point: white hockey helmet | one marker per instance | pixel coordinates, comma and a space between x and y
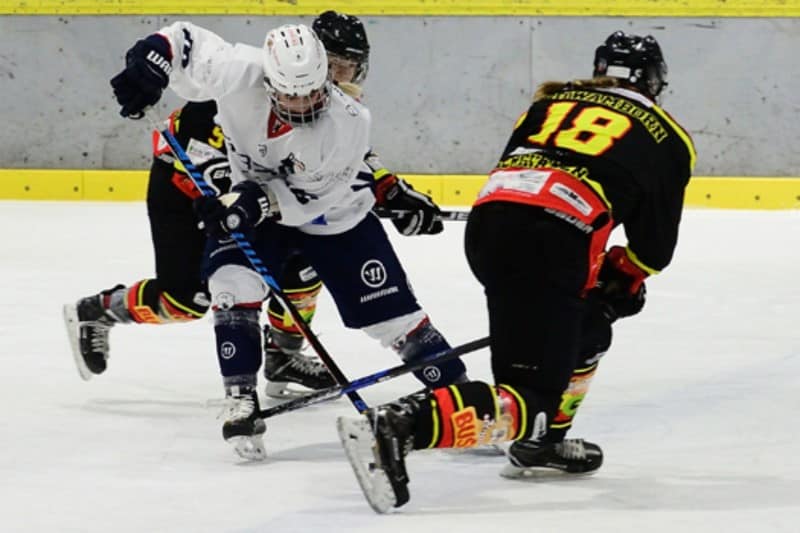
296, 73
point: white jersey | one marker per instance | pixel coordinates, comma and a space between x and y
316, 173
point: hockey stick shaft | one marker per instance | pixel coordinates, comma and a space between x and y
385, 212
259, 267
373, 379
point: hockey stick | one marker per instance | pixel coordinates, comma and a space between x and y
373, 379
259, 266
385, 212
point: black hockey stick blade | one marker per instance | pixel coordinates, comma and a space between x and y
459, 216
372, 379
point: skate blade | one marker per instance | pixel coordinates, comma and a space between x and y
250, 448
281, 390
72, 323
490, 450
359, 446
540, 473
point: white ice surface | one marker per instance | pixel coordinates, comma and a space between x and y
696, 405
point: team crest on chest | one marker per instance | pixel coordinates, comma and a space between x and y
276, 127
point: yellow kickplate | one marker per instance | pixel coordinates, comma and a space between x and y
24, 184
445, 189
626, 8
103, 185
744, 193
117, 185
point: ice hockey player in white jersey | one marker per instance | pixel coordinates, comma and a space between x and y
296, 145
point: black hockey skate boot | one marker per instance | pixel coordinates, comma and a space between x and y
285, 365
88, 322
376, 446
571, 456
243, 427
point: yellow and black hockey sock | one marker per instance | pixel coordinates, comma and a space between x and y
571, 400
304, 300
147, 303
471, 414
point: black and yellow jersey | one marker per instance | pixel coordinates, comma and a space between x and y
201, 138
630, 151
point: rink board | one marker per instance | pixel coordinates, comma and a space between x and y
446, 189
628, 8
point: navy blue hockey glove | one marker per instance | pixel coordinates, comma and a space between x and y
241, 210
422, 218
145, 76
620, 285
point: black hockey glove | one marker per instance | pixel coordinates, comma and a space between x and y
620, 286
217, 173
241, 210
392, 192
145, 76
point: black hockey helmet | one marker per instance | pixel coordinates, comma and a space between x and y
344, 36
632, 58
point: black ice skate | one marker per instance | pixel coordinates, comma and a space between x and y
376, 446
289, 373
88, 322
570, 456
243, 427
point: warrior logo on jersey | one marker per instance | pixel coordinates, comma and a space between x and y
373, 273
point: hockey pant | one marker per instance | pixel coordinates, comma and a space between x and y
360, 270
534, 268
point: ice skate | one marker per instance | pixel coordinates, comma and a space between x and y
570, 456
88, 322
288, 372
243, 428
376, 446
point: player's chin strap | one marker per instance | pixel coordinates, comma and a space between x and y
259, 266
372, 379
459, 216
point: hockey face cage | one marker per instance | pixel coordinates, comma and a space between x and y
344, 38
296, 74
634, 59
356, 70
299, 110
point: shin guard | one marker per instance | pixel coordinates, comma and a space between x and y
570, 402
147, 302
238, 337
305, 301
423, 341
595, 340
475, 414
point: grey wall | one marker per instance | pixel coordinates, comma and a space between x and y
444, 92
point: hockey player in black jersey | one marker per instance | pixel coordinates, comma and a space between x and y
587, 156
178, 292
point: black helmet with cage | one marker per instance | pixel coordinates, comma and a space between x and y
636, 60
344, 36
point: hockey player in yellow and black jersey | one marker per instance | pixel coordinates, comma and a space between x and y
587, 156
178, 292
